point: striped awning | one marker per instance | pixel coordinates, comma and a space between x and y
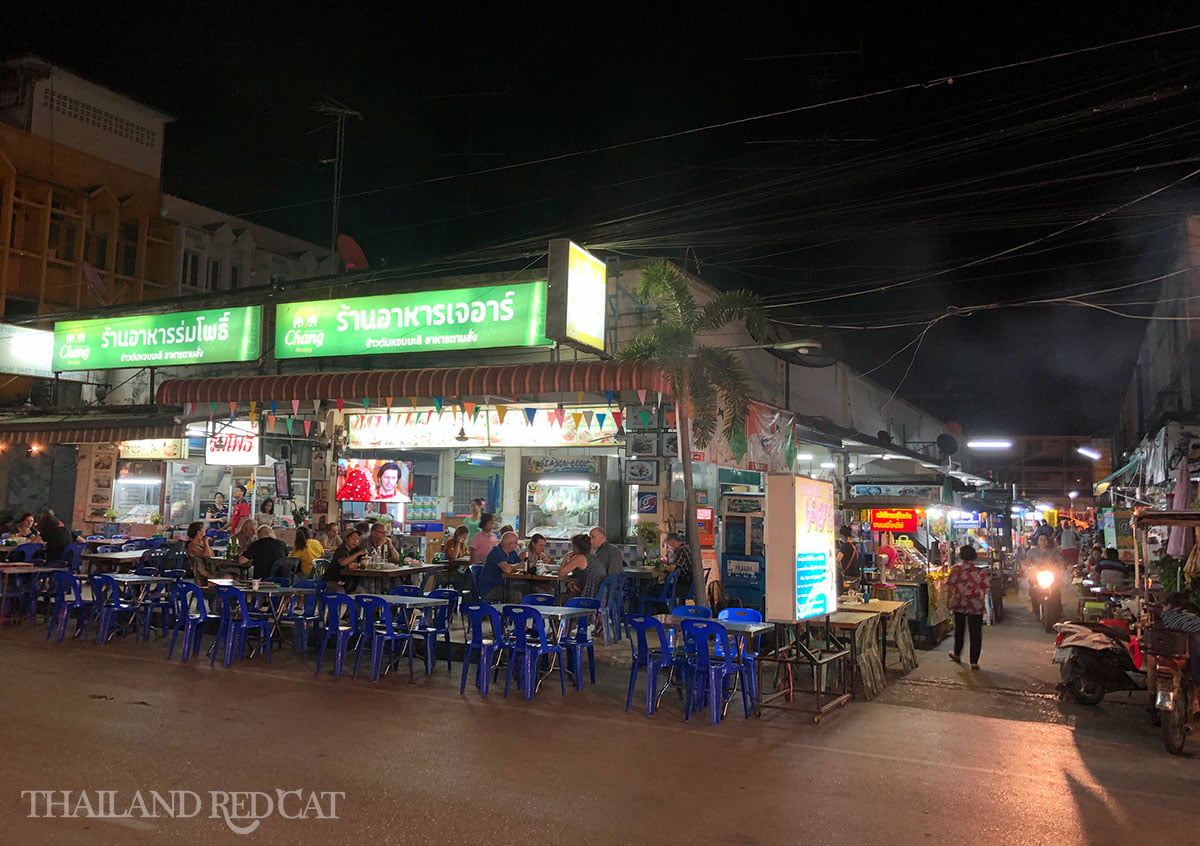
543, 379
107, 429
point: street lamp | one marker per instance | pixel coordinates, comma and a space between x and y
1088, 452
1073, 495
990, 444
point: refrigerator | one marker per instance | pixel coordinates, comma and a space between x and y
561, 497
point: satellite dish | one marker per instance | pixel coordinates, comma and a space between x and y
946, 444
883, 436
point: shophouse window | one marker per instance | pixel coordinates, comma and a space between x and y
127, 248
191, 269
61, 242
214, 275
235, 277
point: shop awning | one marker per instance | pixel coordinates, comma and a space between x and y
543, 379
1101, 487
87, 429
865, 503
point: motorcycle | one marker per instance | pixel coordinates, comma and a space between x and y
1171, 678
1097, 659
1045, 596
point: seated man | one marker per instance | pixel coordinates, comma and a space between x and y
502, 561
1109, 569
377, 539
1180, 614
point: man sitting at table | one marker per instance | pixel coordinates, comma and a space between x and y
607, 554
377, 539
501, 561
264, 552
679, 557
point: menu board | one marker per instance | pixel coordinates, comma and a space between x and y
801, 577
95, 469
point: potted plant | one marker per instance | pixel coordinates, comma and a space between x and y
300, 515
649, 535
111, 527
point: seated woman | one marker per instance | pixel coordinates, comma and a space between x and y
307, 549
200, 556
345, 558
535, 552
587, 570
458, 547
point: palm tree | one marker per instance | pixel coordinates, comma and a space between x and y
709, 384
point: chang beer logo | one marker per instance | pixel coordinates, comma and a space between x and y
75, 348
305, 330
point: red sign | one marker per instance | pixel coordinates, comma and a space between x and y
895, 519
697, 456
759, 466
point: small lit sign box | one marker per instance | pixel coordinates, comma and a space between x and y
236, 444
895, 519
577, 300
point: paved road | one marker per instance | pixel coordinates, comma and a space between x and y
944, 756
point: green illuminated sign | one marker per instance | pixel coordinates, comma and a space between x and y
159, 340
425, 321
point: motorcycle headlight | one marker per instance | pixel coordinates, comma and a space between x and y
1045, 578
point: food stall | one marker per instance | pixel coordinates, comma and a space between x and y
898, 532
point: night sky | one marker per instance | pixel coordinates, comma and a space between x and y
913, 189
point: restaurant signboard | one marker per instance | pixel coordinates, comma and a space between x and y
895, 519
424, 428
159, 340
800, 526
578, 296
235, 444
510, 315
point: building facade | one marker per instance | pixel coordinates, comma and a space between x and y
1049, 468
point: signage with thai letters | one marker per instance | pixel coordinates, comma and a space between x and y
511, 315
159, 340
895, 519
234, 444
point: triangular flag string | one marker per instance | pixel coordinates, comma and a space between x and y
366, 401
530, 413
307, 427
610, 396
288, 421
616, 416
233, 409
577, 416
437, 404
340, 404
295, 406
587, 418
316, 408
388, 402
253, 409
642, 395
212, 409
193, 408
413, 400
274, 410
644, 416
270, 422
579, 396
501, 411
469, 409
600, 418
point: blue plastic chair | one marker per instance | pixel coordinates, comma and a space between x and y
307, 615
73, 555
96, 537
156, 543
665, 597
377, 624
748, 652
405, 590
135, 545
526, 619
538, 599
341, 630
157, 557
110, 605
647, 657
476, 570
104, 550
157, 598
175, 574
435, 622
581, 639
714, 670
478, 644
26, 552
216, 534
693, 611
236, 624
68, 598
612, 605
191, 616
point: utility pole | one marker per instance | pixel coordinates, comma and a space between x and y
340, 112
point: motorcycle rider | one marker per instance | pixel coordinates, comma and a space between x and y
1041, 556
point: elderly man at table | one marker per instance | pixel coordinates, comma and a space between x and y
679, 557
607, 554
264, 552
502, 561
377, 543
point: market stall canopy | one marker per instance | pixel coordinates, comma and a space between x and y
542, 379
88, 429
898, 469
1167, 518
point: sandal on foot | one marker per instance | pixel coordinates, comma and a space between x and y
954, 657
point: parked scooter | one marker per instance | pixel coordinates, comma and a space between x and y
1045, 596
1096, 659
1167, 653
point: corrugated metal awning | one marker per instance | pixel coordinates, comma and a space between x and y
106, 429
542, 379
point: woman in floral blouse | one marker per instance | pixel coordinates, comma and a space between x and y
968, 586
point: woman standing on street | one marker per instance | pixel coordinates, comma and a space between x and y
968, 586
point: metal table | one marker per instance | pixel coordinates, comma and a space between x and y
413, 605
116, 560
557, 616
7, 570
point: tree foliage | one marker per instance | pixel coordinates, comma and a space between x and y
711, 379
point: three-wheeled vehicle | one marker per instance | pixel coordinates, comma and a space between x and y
1168, 674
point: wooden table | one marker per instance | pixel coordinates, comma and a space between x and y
7, 570
869, 664
888, 608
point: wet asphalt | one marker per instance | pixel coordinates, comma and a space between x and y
945, 755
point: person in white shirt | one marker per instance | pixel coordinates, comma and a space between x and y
1068, 542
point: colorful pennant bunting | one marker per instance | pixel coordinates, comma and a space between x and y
530, 413
501, 411
295, 406
307, 427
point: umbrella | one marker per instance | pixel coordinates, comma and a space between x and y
1181, 536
